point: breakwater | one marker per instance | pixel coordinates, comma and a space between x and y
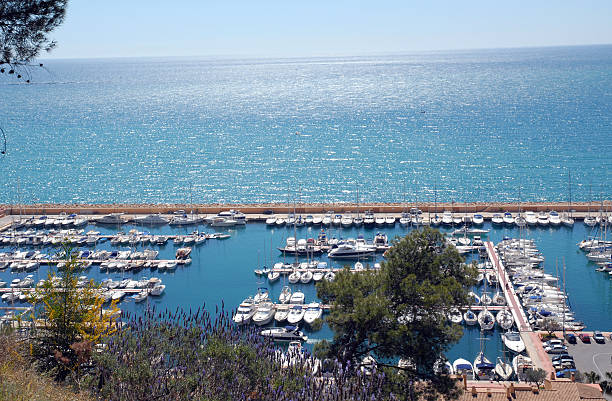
262, 208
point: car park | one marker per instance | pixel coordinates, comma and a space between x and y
554, 341
599, 337
570, 338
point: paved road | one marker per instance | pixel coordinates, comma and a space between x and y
592, 357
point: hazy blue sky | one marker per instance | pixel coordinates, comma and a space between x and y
97, 28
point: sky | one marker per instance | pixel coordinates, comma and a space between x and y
289, 28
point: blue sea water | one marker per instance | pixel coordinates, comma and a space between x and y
478, 125
221, 274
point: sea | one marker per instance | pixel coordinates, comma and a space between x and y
486, 125
483, 125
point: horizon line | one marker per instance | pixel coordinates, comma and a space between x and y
363, 54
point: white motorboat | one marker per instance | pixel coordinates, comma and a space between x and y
590, 221
186, 220
318, 276
351, 249
297, 297
113, 218
520, 221
497, 219
475, 298
158, 290
306, 277
329, 276
287, 333
346, 221
486, 320
337, 220
485, 299
151, 220
543, 219
117, 295
404, 220
262, 295
499, 299
313, 312
504, 319
281, 315
435, 221
477, 219
280, 222
223, 222
463, 367
554, 219
531, 218
316, 220
503, 369
512, 340
567, 220
245, 311
271, 221
390, 221
379, 221
483, 368
285, 295
470, 318
508, 219
456, 316
264, 314
141, 296
296, 314
447, 218
327, 219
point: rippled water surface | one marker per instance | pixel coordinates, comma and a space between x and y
479, 125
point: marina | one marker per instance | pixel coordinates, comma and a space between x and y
257, 245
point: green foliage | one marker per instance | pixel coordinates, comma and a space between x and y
68, 320
536, 376
592, 377
316, 325
24, 28
402, 310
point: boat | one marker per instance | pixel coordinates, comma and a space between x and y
262, 295
183, 253
508, 219
405, 220
521, 364
158, 289
287, 333
113, 218
219, 221
273, 276
379, 221
486, 320
470, 318
306, 277
346, 221
294, 277
281, 315
497, 219
271, 221
368, 219
313, 312
590, 221
504, 319
327, 219
285, 295
456, 316
554, 219
297, 297
477, 219
390, 221
475, 298
531, 218
483, 368
245, 311
543, 219
351, 249
186, 220
296, 314
447, 218
463, 367
512, 340
329, 276
499, 299
264, 314
141, 296
309, 220
503, 369
151, 219
337, 220
485, 299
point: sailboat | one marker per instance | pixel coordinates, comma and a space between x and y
436, 221
503, 369
486, 320
566, 218
589, 220
483, 368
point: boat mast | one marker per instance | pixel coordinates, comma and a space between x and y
565, 295
569, 183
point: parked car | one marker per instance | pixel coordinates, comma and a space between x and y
555, 349
570, 338
562, 356
554, 341
585, 338
599, 337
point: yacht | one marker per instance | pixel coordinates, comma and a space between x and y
379, 221
404, 220
554, 219
285, 295
390, 221
435, 221
543, 219
351, 249
512, 340
296, 314
346, 221
337, 220
287, 333
234, 215
245, 311
483, 368
590, 221
470, 318
477, 219
281, 315
294, 277
447, 218
264, 314
327, 219
520, 221
271, 221
503, 369
508, 219
113, 218
306, 277
358, 221
219, 221
504, 319
313, 312
368, 219
152, 219
567, 220
316, 220
297, 297
486, 320
497, 219
531, 218
185, 220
